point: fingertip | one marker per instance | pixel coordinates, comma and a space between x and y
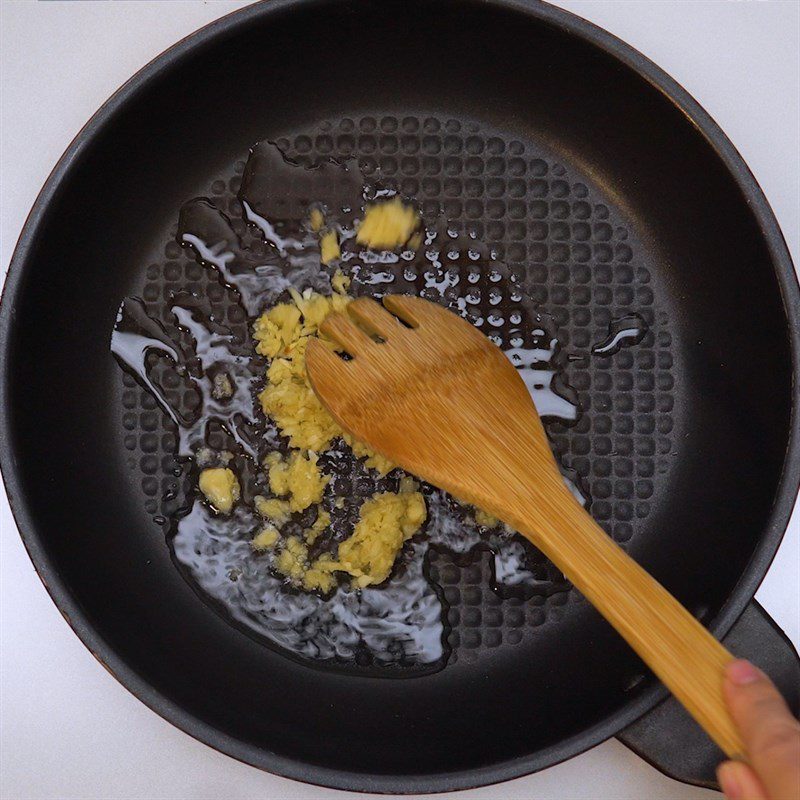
742, 673
739, 782
727, 775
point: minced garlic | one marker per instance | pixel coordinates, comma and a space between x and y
292, 562
329, 247
282, 334
272, 509
266, 538
320, 523
316, 219
298, 476
387, 225
386, 520
484, 519
340, 282
220, 487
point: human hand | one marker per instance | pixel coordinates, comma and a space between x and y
771, 735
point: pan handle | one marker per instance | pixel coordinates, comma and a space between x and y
669, 739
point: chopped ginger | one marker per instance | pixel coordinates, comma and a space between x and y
317, 577
292, 561
222, 388
320, 523
374, 460
407, 484
220, 487
297, 411
387, 225
385, 522
315, 307
388, 519
265, 539
299, 477
272, 509
275, 330
329, 247
282, 334
484, 519
340, 282
316, 219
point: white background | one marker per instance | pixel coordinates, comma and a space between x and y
69, 730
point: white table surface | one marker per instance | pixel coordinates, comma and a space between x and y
69, 730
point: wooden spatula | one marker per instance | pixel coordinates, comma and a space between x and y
433, 394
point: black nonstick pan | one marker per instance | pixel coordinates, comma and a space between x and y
589, 174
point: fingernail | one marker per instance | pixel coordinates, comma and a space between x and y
742, 672
726, 775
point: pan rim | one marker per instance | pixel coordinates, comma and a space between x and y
742, 593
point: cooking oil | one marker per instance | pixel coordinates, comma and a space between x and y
401, 622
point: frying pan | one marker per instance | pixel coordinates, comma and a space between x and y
585, 167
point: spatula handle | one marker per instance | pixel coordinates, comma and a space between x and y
679, 650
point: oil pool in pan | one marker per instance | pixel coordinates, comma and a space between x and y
182, 358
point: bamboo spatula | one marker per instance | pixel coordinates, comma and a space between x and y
434, 395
